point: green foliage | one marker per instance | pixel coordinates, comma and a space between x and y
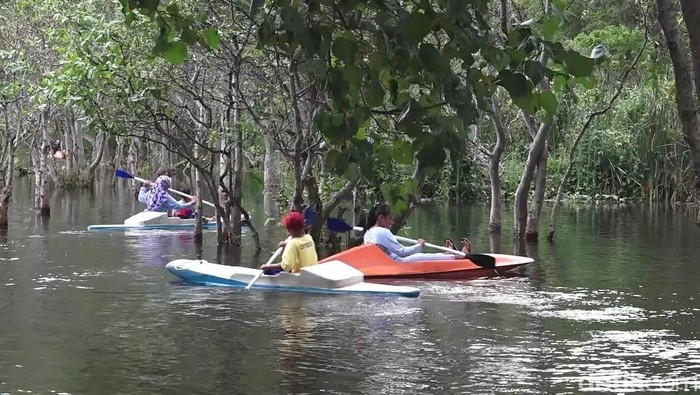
176, 29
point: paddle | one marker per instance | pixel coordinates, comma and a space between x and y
123, 174
483, 260
269, 261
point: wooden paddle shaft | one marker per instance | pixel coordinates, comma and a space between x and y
269, 261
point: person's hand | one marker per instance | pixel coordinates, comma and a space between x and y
147, 184
264, 266
282, 243
421, 242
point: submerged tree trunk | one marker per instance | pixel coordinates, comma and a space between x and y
42, 181
495, 220
272, 186
134, 161
237, 174
536, 159
535, 212
520, 213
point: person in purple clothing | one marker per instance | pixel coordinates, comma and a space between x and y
157, 198
379, 221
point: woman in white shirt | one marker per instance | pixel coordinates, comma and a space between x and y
380, 220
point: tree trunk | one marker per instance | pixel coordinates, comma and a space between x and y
97, 153
119, 152
520, 213
495, 220
297, 198
237, 174
535, 157
272, 186
198, 231
134, 161
687, 104
42, 183
533, 218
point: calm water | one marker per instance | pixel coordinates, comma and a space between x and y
612, 306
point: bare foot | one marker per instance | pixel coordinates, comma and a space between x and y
466, 246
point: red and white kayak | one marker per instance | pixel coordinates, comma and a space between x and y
374, 263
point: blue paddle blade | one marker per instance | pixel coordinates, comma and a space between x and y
309, 216
122, 174
338, 225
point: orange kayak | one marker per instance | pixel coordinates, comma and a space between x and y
374, 263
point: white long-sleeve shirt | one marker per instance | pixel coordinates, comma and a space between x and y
387, 242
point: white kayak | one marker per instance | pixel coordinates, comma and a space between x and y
148, 220
332, 277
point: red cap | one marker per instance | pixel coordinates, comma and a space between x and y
293, 220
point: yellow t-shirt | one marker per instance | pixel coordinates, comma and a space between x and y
299, 252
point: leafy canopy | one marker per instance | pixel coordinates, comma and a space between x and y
415, 72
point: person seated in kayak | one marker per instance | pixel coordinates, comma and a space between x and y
379, 221
157, 197
187, 212
299, 251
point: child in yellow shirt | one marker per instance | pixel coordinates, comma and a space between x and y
299, 251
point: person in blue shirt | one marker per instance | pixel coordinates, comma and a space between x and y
379, 221
157, 198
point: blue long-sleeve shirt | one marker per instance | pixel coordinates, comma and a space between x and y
387, 241
170, 202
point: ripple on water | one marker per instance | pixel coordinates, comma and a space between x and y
624, 361
76, 280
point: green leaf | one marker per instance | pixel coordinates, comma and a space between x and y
535, 71
548, 102
418, 25
374, 94
291, 19
402, 153
431, 155
188, 35
255, 6
149, 6
550, 27
516, 84
578, 65
212, 38
431, 58
175, 52
344, 48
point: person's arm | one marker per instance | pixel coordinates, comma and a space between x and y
143, 195
387, 240
272, 266
173, 204
290, 258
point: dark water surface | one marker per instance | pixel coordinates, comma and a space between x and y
611, 306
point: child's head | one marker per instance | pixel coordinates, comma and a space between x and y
294, 222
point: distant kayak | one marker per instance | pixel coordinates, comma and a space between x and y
147, 220
374, 263
332, 277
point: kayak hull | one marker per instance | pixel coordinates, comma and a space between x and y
332, 277
151, 220
374, 263
114, 227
